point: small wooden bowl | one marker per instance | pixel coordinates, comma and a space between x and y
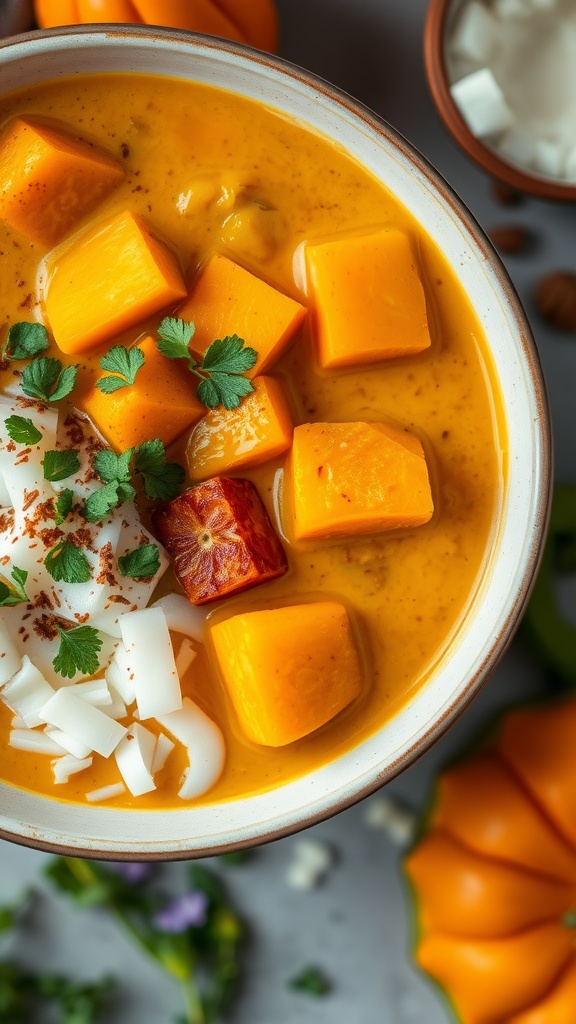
439, 19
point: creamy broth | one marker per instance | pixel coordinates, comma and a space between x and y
187, 150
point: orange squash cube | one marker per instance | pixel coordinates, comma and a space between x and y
161, 403
50, 178
369, 300
357, 478
110, 279
258, 430
227, 299
288, 670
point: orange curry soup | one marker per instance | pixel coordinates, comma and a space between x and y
210, 172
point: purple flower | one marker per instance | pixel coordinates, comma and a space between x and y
133, 871
182, 913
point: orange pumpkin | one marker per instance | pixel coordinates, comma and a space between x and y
245, 21
494, 875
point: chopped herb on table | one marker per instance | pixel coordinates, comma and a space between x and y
194, 937
222, 367
312, 981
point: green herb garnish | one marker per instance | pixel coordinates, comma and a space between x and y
60, 464
25, 341
222, 368
162, 480
310, 980
124, 364
141, 563
63, 506
16, 594
68, 564
22, 430
45, 379
78, 651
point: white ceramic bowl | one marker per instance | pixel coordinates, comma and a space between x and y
517, 539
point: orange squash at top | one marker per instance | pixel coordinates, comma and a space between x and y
255, 23
495, 875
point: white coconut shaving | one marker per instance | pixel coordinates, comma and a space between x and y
64, 767
205, 747
151, 661
98, 796
85, 723
182, 617
135, 757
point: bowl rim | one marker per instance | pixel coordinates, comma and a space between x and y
500, 641
437, 15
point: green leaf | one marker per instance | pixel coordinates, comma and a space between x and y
60, 464
63, 505
310, 980
100, 503
141, 563
208, 394
124, 363
112, 467
231, 389
162, 480
10, 596
68, 564
125, 492
175, 336
22, 430
78, 651
25, 341
66, 383
45, 379
228, 355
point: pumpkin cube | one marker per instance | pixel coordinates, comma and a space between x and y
139, 412
50, 178
357, 478
227, 300
260, 428
288, 670
221, 539
110, 279
369, 302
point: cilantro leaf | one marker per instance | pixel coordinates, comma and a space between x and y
60, 464
68, 564
141, 563
22, 430
224, 389
162, 480
78, 651
16, 594
125, 492
175, 336
112, 467
312, 981
228, 355
100, 503
124, 363
25, 341
45, 379
63, 505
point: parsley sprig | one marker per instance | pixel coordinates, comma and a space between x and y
142, 563
25, 341
16, 594
123, 363
79, 649
162, 480
63, 506
68, 564
222, 368
22, 430
59, 464
47, 380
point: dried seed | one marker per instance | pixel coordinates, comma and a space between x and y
510, 238
555, 297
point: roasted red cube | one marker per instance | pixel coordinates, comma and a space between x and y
221, 539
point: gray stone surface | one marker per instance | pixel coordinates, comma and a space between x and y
356, 925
